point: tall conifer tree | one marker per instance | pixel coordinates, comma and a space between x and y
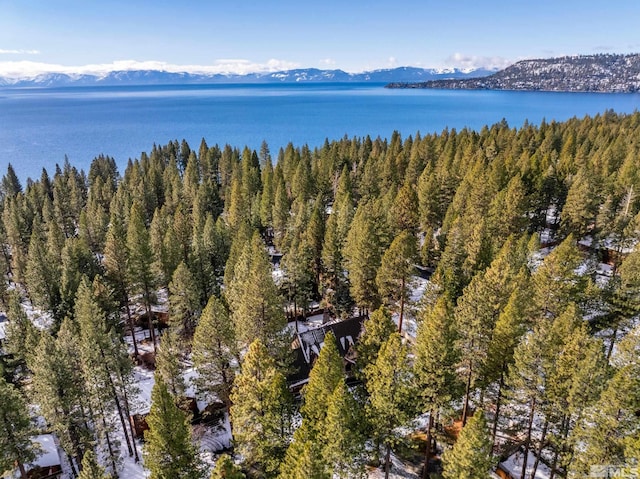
261, 411
214, 352
434, 365
169, 452
15, 429
390, 390
471, 456
140, 270
394, 275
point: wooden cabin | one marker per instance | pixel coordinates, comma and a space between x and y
47, 465
307, 345
139, 425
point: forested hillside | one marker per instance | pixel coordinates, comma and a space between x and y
580, 73
527, 336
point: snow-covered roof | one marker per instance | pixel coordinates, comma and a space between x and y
610, 242
513, 465
49, 456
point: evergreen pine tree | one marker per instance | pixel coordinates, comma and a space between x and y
168, 451
77, 262
91, 469
376, 330
22, 337
342, 435
434, 364
99, 360
226, 469
363, 254
404, 212
238, 209
509, 329
607, 431
327, 373
17, 227
305, 464
394, 275
298, 266
256, 307
306, 452
15, 429
58, 388
10, 185
581, 205
184, 301
169, 363
140, 272
471, 456
115, 261
166, 250
261, 411
555, 283
390, 392
478, 309
214, 351
280, 210
42, 273
268, 192
335, 285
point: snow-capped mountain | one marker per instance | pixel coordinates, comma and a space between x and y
159, 77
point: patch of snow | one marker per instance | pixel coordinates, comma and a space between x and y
162, 301
546, 236
144, 380
3, 326
538, 257
302, 326
399, 469
513, 465
552, 214
278, 275
216, 439
604, 269
40, 319
586, 241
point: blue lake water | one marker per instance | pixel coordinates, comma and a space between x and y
38, 127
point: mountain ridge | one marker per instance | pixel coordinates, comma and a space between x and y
160, 77
610, 73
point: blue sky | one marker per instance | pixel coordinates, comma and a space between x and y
263, 35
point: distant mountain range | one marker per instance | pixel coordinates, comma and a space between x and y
583, 73
157, 77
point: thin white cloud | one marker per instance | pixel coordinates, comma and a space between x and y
327, 62
4, 51
29, 69
473, 62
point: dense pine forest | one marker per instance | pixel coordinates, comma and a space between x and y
525, 340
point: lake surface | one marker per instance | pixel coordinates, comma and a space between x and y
38, 127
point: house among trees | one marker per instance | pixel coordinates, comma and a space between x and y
307, 345
47, 465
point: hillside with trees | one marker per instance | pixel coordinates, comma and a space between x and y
611, 73
187, 279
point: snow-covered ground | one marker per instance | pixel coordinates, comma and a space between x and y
513, 465
3, 326
216, 438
